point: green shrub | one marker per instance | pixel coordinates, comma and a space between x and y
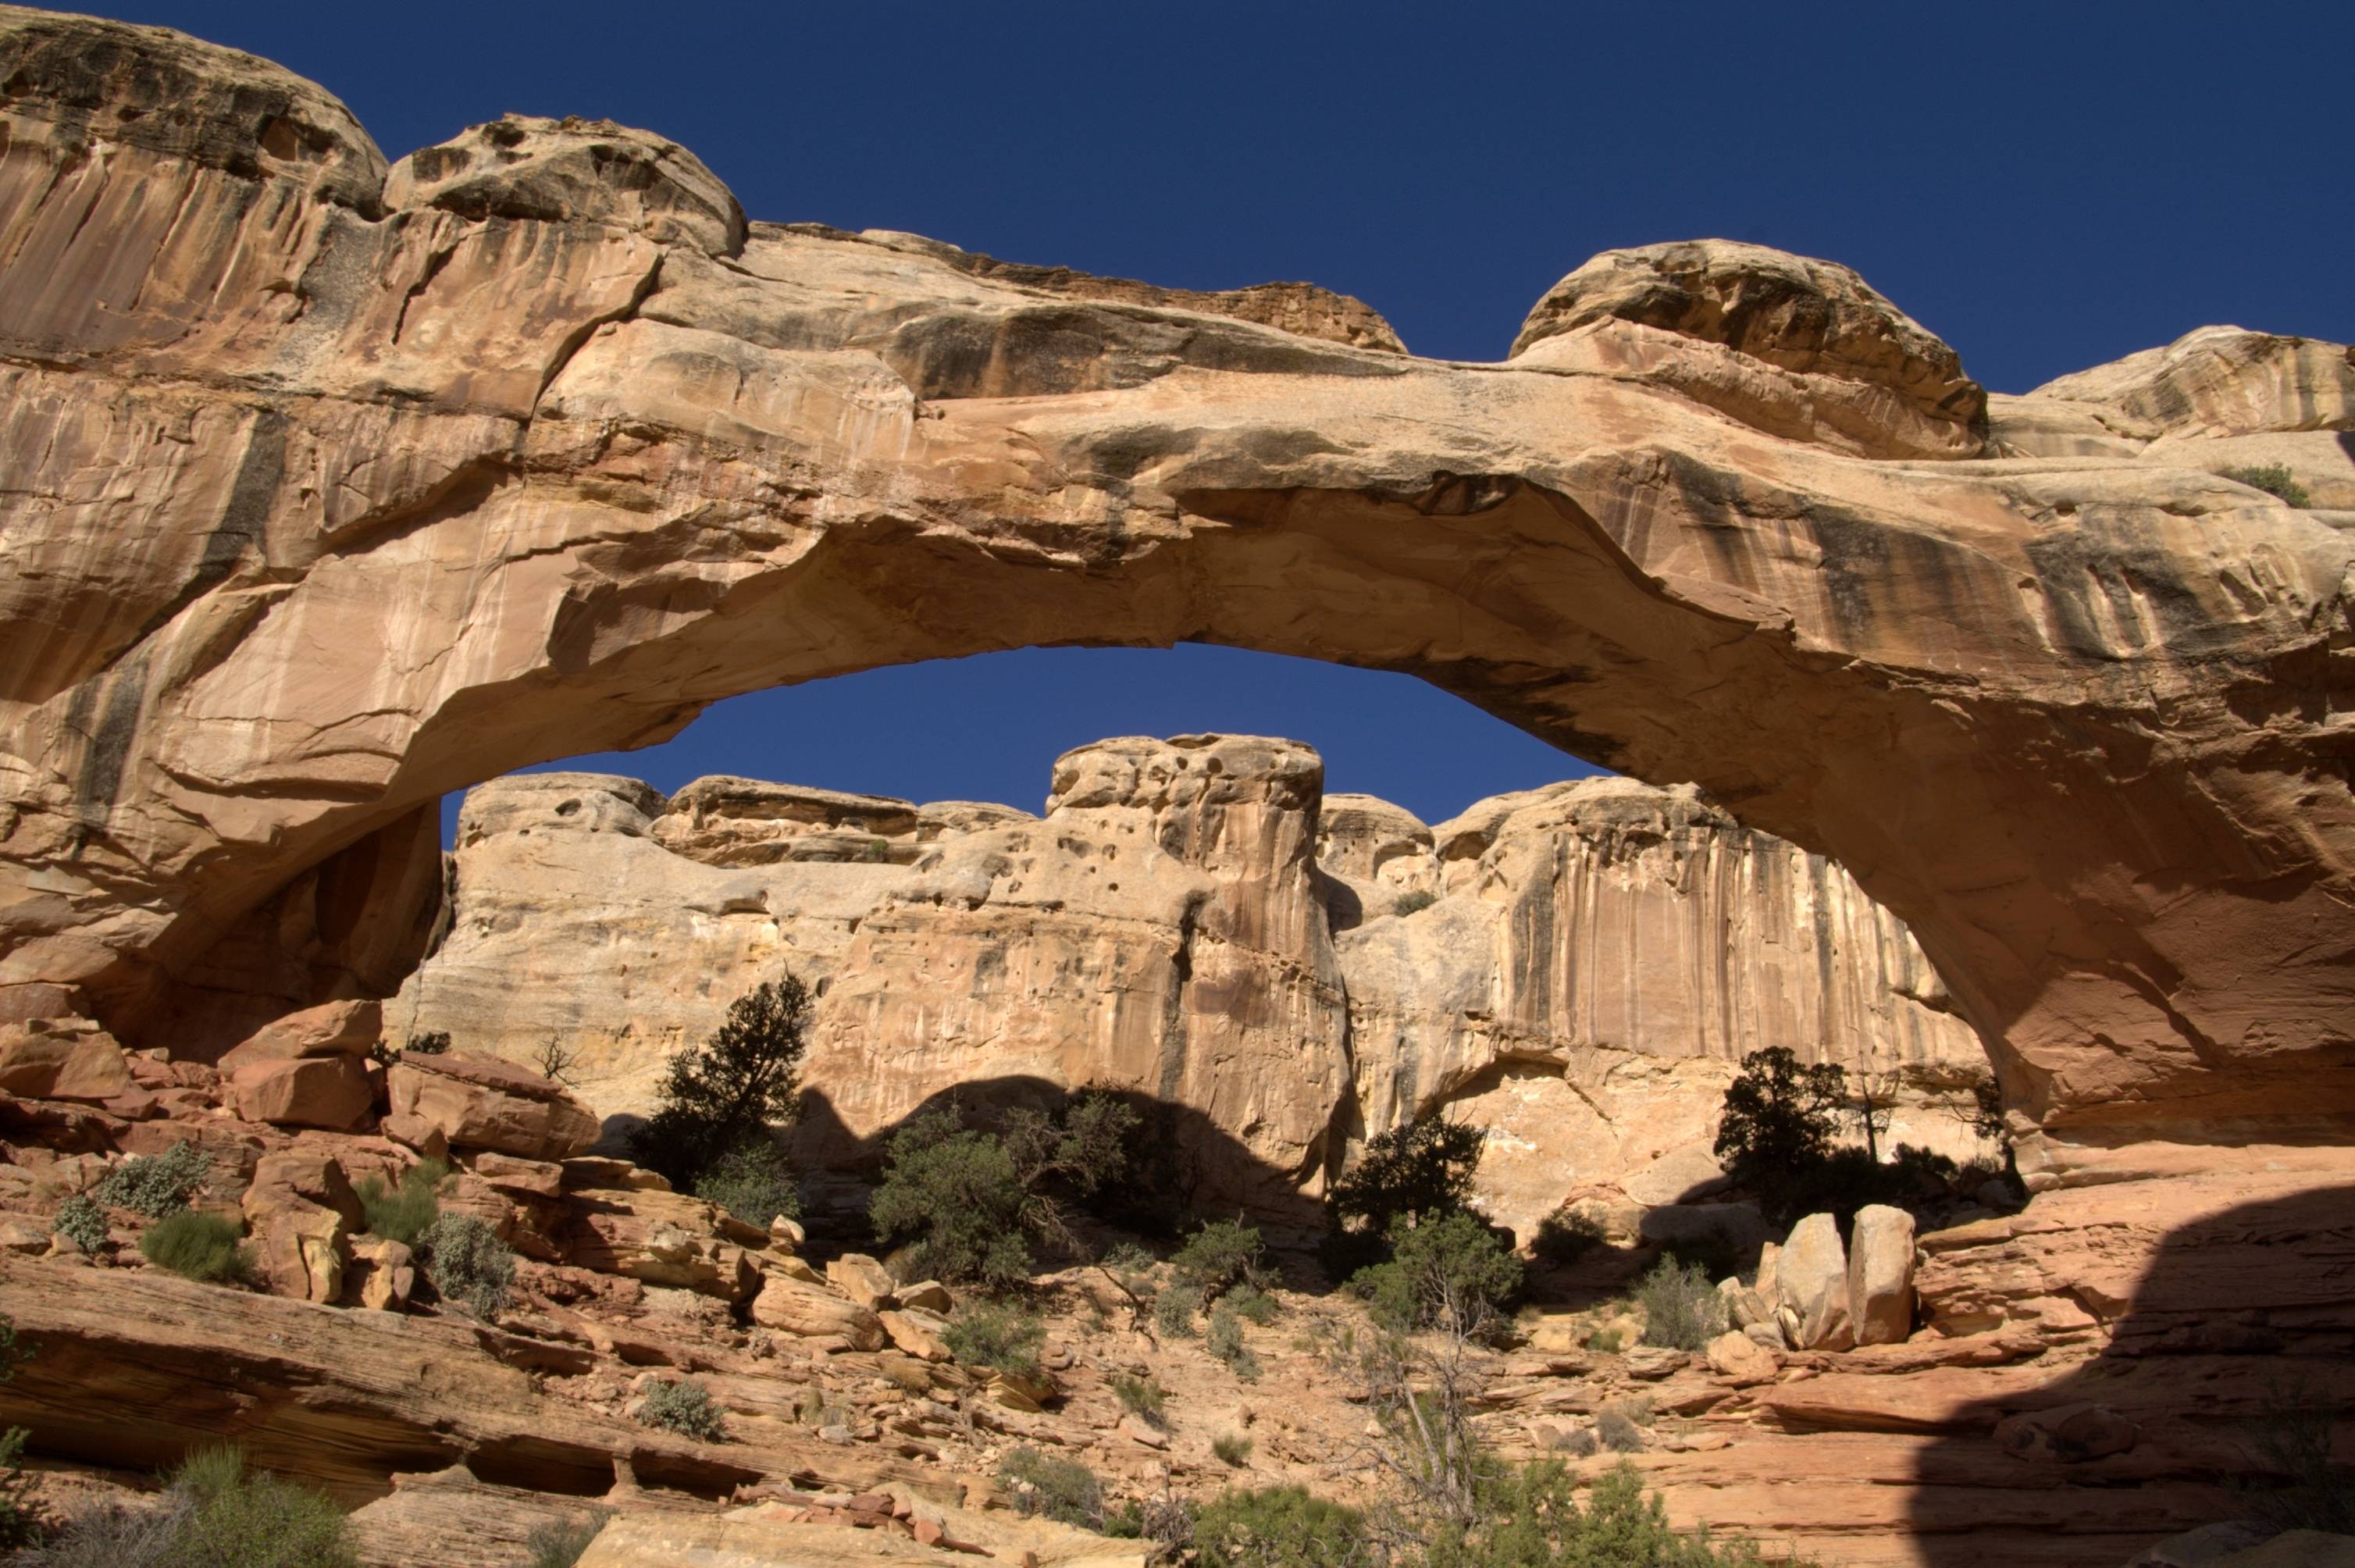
1452, 1268
1173, 1311
1607, 1341
1252, 1305
468, 1264
993, 1334
197, 1245
754, 1181
1565, 1236
1778, 1118
1061, 1489
1225, 1340
1141, 1396
1713, 1252
729, 1091
1279, 1527
233, 1519
1530, 1518
20, 1523
2301, 1489
1421, 1171
405, 1212
155, 1184
81, 1221
561, 1544
684, 1407
2273, 479
1681, 1308
1222, 1254
1414, 903
1233, 1450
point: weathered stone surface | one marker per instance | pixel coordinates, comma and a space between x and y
1741, 1360
1803, 349
2217, 381
331, 1029
863, 1280
921, 1334
61, 1058
331, 1092
1881, 1274
381, 1276
477, 1102
762, 1538
794, 1307
1811, 1286
662, 1238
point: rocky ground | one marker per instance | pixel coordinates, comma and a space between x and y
1988, 1416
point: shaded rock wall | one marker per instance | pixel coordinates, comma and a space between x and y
1186, 920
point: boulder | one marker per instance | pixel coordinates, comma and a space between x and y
1811, 1286
331, 1028
1881, 1274
660, 1238
69, 1059
2066, 1435
930, 1295
864, 1280
921, 1334
1741, 1360
484, 1103
301, 1250
331, 1092
382, 1274
791, 1306
300, 1174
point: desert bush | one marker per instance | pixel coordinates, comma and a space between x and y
1565, 1236
1681, 1308
561, 1544
1414, 1172
1617, 1431
155, 1184
1142, 1397
1224, 1339
1451, 1268
20, 1523
729, 1091
468, 1264
406, 1211
2290, 1445
2273, 479
1778, 1116
1578, 1442
1232, 1450
969, 1202
996, 1334
111, 1536
684, 1407
1220, 1256
81, 1221
1713, 1252
1279, 1527
754, 1181
198, 1245
1530, 1518
1061, 1489
1607, 1341
1252, 1305
230, 1519
1174, 1309
1414, 903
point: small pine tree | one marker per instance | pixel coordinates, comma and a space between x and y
728, 1091
1778, 1118
1419, 1172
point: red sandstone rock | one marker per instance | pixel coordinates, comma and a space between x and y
331, 1028
61, 1060
484, 1103
330, 1091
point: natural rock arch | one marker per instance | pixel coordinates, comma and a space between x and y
337, 492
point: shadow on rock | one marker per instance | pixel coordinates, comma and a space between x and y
2229, 1367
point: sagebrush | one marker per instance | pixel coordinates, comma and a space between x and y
996, 1334
684, 1407
468, 1264
155, 1184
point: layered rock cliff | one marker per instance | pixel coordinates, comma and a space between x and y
1193, 919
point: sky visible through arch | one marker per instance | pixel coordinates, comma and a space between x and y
2048, 187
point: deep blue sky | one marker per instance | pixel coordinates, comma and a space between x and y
2047, 186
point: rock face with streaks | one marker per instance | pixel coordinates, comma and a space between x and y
348, 485
1192, 918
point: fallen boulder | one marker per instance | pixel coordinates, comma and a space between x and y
484, 1103
1811, 1287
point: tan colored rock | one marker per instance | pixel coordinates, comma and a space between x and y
331, 1029
1803, 349
1881, 1274
382, 1273
1741, 1360
791, 1307
69, 1059
2111, 680
927, 1295
485, 1103
920, 1333
864, 1281
1811, 1287
302, 1175
301, 1249
331, 1092
661, 1237
2216, 381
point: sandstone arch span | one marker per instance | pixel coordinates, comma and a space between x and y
336, 488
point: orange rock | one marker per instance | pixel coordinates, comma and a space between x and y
331, 1028
61, 1060
331, 1092
483, 1102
